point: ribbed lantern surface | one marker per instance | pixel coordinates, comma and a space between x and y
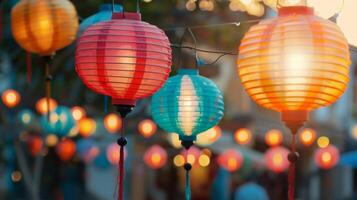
187, 104
124, 58
296, 61
44, 26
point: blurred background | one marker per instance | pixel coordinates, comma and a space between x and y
78, 159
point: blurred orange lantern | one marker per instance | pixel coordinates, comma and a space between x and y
41, 105
86, 127
327, 158
112, 122
10, 98
191, 156
78, 113
307, 136
147, 128
230, 160
243, 136
34, 145
66, 149
208, 137
44, 26
155, 157
273, 137
276, 159
113, 154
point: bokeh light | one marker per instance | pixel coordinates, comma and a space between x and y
66, 149
41, 105
327, 157
204, 160
147, 128
112, 122
230, 160
16, 176
78, 113
51, 140
179, 160
307, 136
209, 137
276, 159
273, 137
242, 136
86, 127
113, 153
155, 157
323, 141
10, 98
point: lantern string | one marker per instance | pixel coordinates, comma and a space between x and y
292, 169
48, 80
29, 66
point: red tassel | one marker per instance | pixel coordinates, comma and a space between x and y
292, 171
121, 174
29, 66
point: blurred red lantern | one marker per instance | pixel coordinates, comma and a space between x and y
147, 128
113, 154
10, 98
34, 145
243, 136
66, 149
112, 122
307, 136
327, 158
155, 157
124, 58
273, 137
230, 160
276, 159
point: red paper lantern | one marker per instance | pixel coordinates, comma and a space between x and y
230, 160
155, 157
34, 145
276, 159
124, 58
327, 158
66, 149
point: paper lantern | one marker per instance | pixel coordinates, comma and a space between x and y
87, 150
188, 104
113, 154
112, 122
242, 136
66, 149
41, 105
276, 159
124, 58
34, 145
294, 63
230, 160
104, 14
323, 142
155, 157
346, 23
61, 122
327, 158
10, 98
87, 127
273, 137
147, 128
307, 136
44, 26
26, 117
208, 137
78, 113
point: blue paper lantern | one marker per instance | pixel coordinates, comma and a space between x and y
187, 104
26, 117
61, 122
104, 14
87, 150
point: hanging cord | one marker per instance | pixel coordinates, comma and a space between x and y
48, 80
28, 67
180, 46
292, 157
187, 144
138, 6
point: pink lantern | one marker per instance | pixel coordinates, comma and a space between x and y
113, 154
327, 158
276, 159
155, 157
230, 160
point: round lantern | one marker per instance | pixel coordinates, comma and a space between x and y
26, 117
112, 123
327, 158
124, 58
188, 104
155, 157
307, 136
104, 14
87, 150
41, 105
78, 113
66, 149
61, 122
243, 136
147, 128
113, 153
209, 137
276, 159
10, 98
86, 127
230, 160
34, 145
44, 26
273, 137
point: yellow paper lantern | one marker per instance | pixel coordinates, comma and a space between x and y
10, 98
44, 26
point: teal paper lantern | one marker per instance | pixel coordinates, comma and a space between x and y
187, 104
61, 122
104, 14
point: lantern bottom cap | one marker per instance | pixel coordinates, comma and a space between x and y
123, 102
294, 119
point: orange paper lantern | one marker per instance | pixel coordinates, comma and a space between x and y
78, 113
307, 136
147, 128
327, 158
66, 149
86, 127
230, 160
41, 105
273, 137
10, 98
155, 157
44, 26
243, 136
276, 159
112, 122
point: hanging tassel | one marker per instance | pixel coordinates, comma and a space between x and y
29, 67
292, 157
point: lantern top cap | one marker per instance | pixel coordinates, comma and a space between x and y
188, 72
108, 7
295, 10
126, 15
